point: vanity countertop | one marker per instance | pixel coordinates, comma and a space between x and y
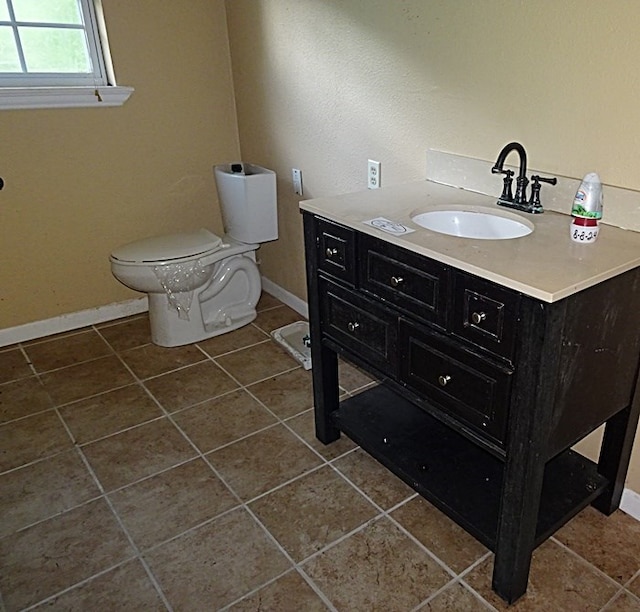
546, 264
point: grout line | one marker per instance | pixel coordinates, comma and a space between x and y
589, 563
122, 526
244, 506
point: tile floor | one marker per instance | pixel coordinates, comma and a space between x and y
139, 478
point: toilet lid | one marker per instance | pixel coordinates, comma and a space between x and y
173, 246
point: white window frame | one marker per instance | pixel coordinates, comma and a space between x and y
99, 89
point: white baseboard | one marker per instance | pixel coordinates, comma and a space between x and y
117, 310
300, 306
71, 321
631, 503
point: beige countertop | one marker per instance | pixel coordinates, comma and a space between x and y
546, 264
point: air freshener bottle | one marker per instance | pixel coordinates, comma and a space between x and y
587, 210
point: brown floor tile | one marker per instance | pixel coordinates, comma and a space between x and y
67, 350
610, 543
13, 365
43, 489
267, 301
455, 598
558, 580
257, 362
82, 380
223, 420
290, 593
304, 426
287, 394
22, 398
128, 333
190, 385
352, 378
31, 438
232, 341
262, 461
313, 511
623, 602
271, 319
53, 555
634, 585
378, 568
136, 453
383, 487
217, 563
444, 538
108, 413
63, 334
169, 503
126, 588
151, 360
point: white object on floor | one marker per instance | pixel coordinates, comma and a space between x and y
296, 341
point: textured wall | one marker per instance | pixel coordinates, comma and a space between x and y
325, 84
79, 182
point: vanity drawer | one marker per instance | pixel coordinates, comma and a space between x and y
359, 325
485, 314
465, 386
410, 282
336, 250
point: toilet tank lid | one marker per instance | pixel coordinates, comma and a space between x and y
171, 246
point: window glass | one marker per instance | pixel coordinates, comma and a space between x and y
9, 60
46, 11
55, 50
4, 12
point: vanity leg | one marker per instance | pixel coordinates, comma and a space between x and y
517, 527
615, 454
529, 426
324, 360
325, 393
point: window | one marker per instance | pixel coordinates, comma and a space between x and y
55, 53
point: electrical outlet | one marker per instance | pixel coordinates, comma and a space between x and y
297, 181
373, 174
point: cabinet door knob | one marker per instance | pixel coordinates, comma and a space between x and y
352, 326
331, 252
396, 280
478, 317
444, 380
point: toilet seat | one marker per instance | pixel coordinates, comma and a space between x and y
163, 249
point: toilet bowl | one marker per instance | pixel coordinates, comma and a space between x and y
200, 285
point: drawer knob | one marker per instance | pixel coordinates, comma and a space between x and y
396, 280
352, 326
444, 380
478, 317
331, 252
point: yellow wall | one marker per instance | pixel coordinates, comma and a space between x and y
79, 182
323, 85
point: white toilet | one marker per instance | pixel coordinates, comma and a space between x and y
201, 285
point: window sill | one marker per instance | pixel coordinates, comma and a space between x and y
63, 97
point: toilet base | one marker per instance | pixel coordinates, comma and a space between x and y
168, 330
226, 303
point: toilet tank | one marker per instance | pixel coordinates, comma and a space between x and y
248, 201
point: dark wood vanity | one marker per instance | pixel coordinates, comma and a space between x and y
484, 390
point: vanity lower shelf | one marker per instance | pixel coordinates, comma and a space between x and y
457, 476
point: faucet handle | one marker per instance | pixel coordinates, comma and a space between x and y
541, 179
507, 192
534, 203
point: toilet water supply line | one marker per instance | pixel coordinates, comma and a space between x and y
173, 276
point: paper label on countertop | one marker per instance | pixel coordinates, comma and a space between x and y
391, 227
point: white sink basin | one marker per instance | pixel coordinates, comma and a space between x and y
473, 223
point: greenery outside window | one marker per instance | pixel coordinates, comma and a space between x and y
55, 53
